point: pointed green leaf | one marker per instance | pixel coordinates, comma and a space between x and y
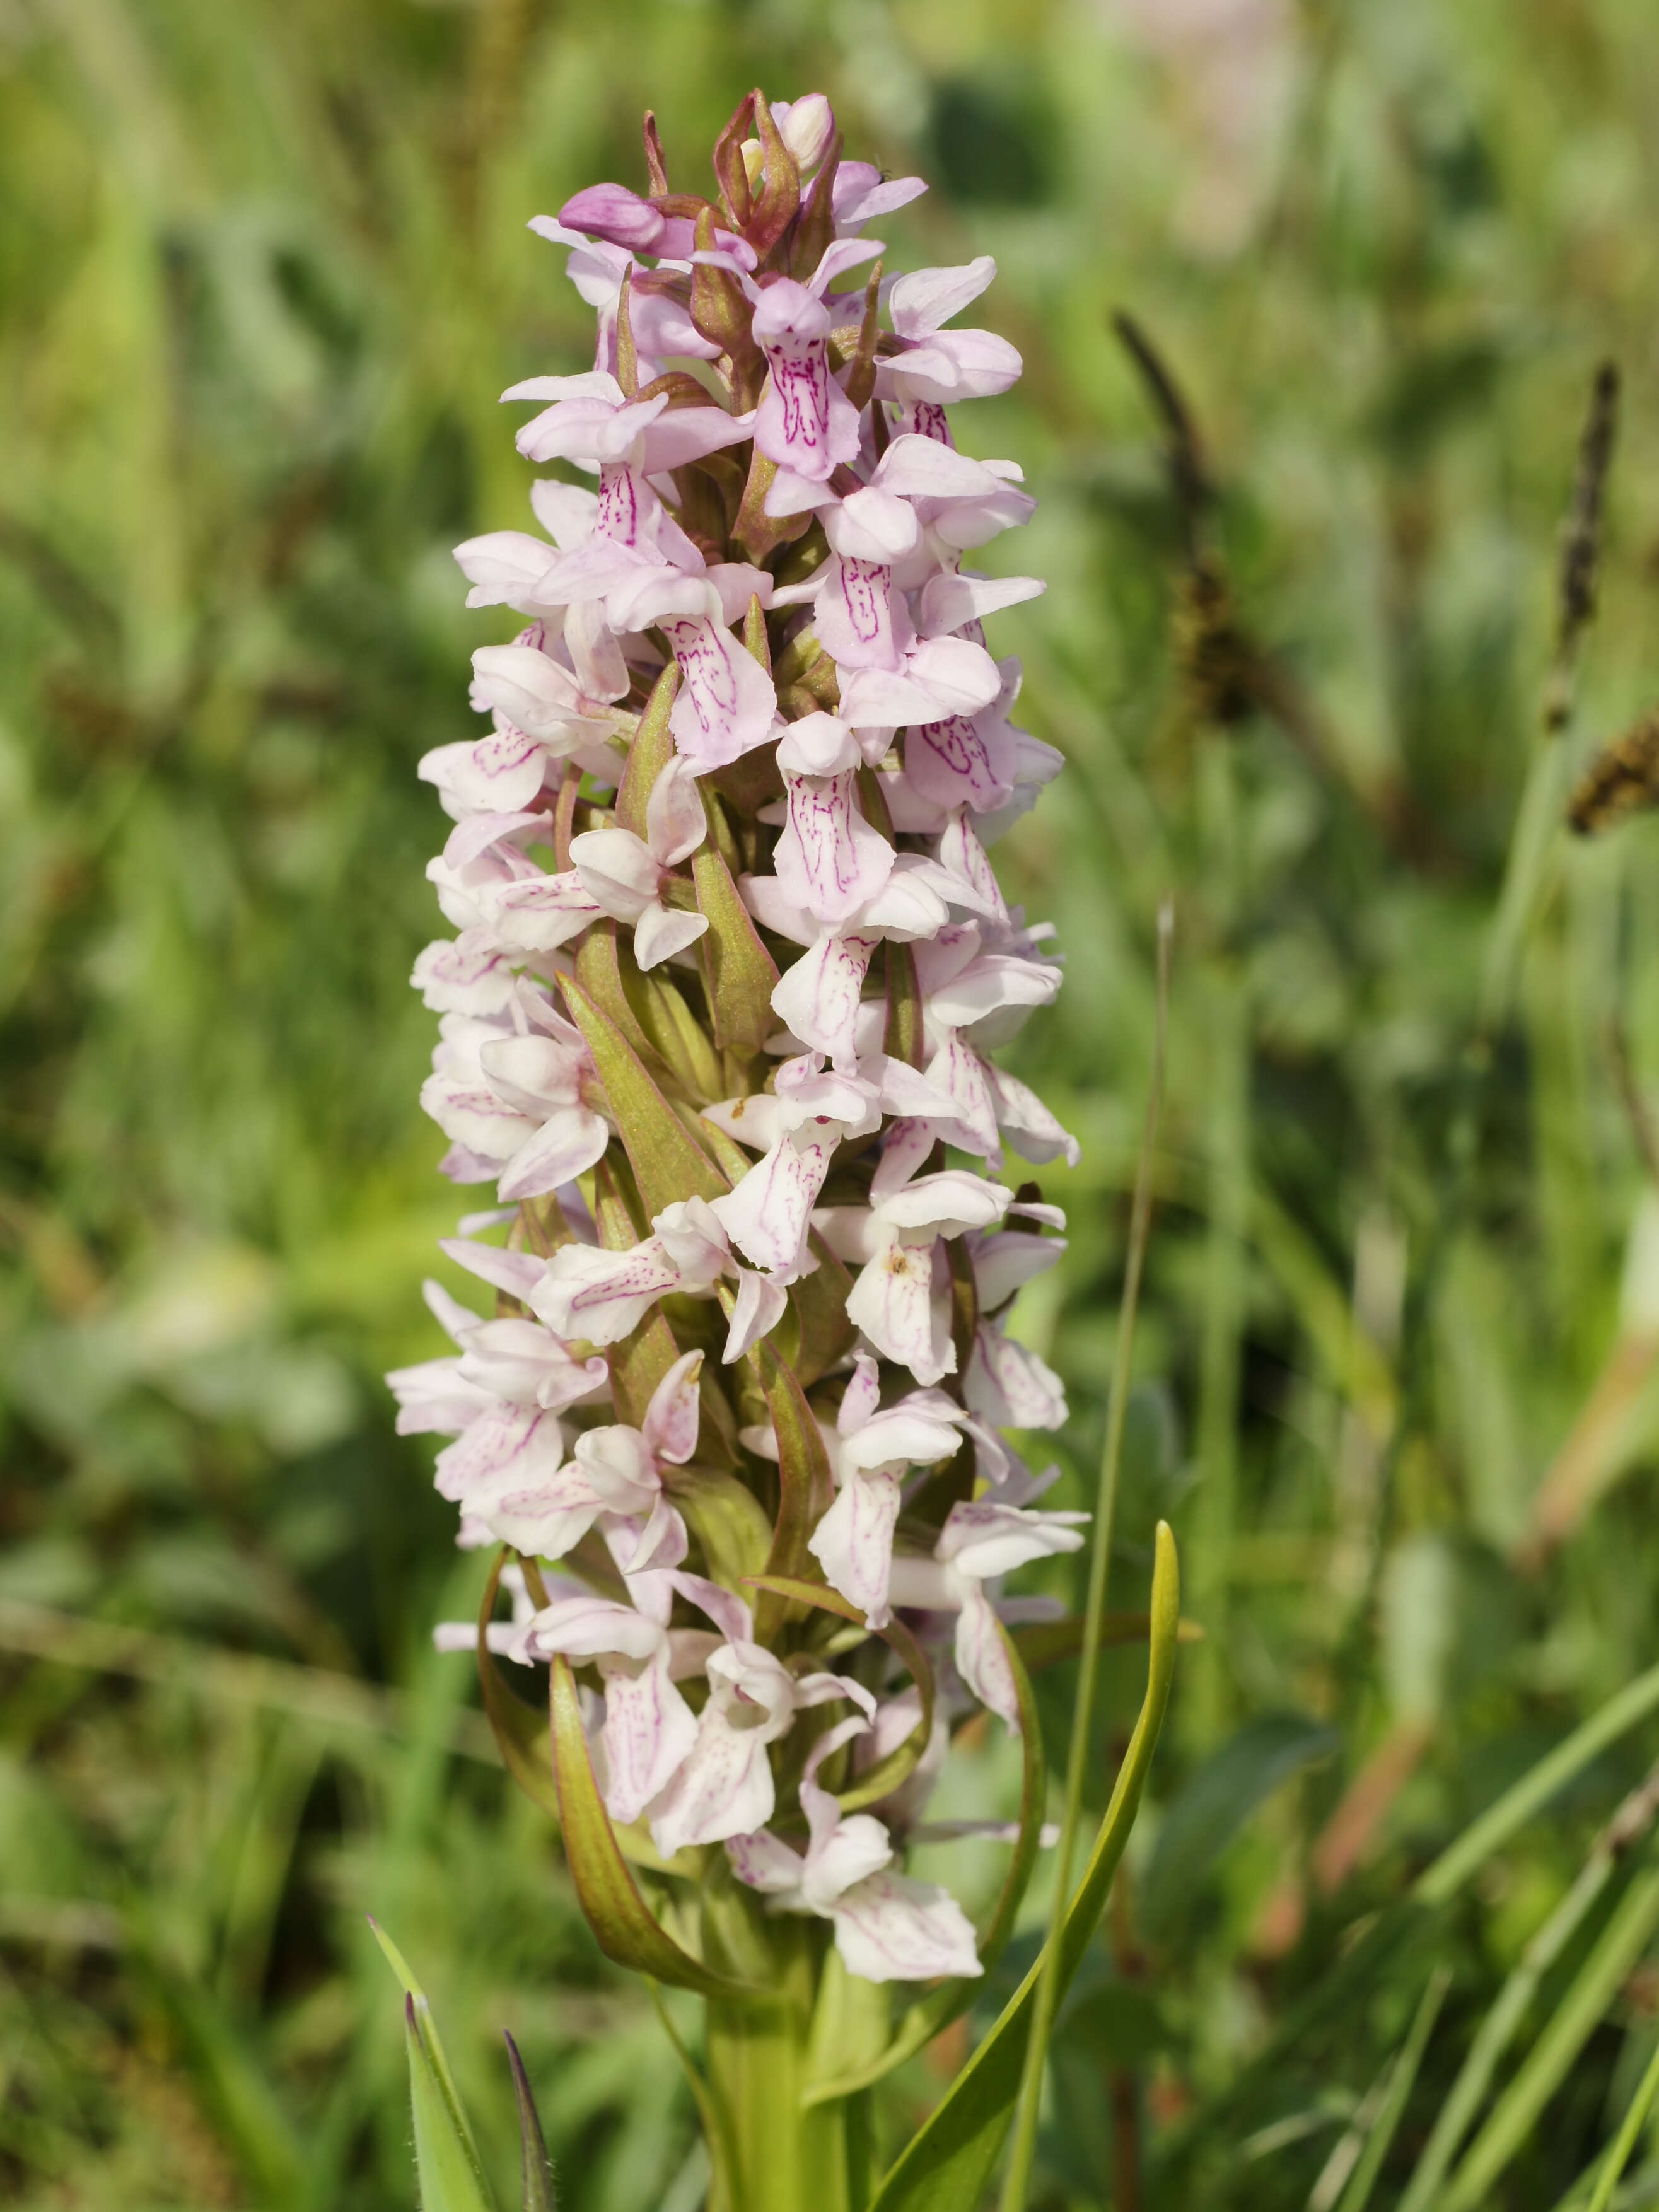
668, 1164
941, 2006
739, 972
816, 227
537, 2168
964, 1299
447, 2165
806, 1483
452, 2151
519, 1729
606, 1891
628, 359
755, 641
730, 169
818, 1310
902, 1039
862, 376
677, 1038
616, 1211
758, 533
947, 2164
639, 1360
432, 2041
650, 752
728, 1521
780, 195
598, 969
729, 1159
718, 306
888, 1773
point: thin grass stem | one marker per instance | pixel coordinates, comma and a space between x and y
1017, 2181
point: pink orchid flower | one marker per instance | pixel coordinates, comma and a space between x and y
615, 1475
725, 1787
889, 1927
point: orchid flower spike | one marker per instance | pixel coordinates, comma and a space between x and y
727, 973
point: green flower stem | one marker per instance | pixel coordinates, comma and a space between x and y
783, 2157
779, 2154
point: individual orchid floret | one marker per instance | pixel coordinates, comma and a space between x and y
725, 1786
615, 1475
887, 1927
518, 1362
624, 875
521, 1105
807, 127
829, 861
531, 691
591, 419
936, 364
614, 213
602, 1296
871, 1449
811, 1112
979, 1543
649, 1728
727, 704
902, 1299
863, 195
804, 423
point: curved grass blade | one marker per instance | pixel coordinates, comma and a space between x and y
925, 2019
538, 2171
888, 1773
431, 2040
947, 2166
606, 1891
451, 2172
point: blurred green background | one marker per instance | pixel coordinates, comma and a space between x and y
264, 270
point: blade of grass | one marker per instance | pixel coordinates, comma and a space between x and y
1016, 2180
1401, 2073
1596, 1984
1413, 1917
1625, 2141
1497, 2030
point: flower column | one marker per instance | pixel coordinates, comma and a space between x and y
729, 960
